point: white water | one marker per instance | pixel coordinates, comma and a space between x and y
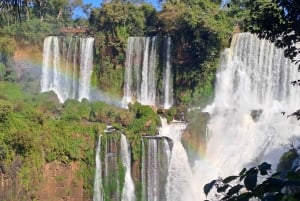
140, 83
152, 171
178, 187
61, 73
253, 75
143, 173
98, 177
168, 82
86, 67
128, 190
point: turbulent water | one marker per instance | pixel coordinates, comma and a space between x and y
142, 60
67, 67
247, 124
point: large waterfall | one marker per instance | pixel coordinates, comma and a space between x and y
141, 71
247, 124
67, 67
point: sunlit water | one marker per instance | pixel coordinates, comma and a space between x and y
247, 124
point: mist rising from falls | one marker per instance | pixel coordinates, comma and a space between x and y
143, 57
247, 126
67, 67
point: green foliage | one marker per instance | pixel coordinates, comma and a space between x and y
7, 45
113, 23
102, 112
73, 110
34, 31
112, 82
2, 71
146, 120
11, 92
37, 129
286, 160
277, 186
171, 114
5, 109
199, 31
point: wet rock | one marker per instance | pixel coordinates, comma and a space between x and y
255, 114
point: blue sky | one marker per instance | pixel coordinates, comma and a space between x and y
97, 3
79, 13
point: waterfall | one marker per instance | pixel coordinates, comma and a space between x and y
178, 186
152, 172
45, 84
128, 190
67, 71
141, 72
98, 177
167, 81
155, 163
247, 125
86, 67
115, 161
143, 172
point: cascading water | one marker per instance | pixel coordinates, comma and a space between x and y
128, 190
247, 125
152, 172
98, 175
86, 67
168, 82
164, 172
140, 64
155, 163
178, 186
113, 158
140, 83
61, 72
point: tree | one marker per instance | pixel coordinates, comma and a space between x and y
245, 186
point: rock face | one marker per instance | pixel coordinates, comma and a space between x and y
194, 136
255, 114
10, 188
60, 182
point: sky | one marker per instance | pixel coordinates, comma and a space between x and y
97, 3
79, 13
